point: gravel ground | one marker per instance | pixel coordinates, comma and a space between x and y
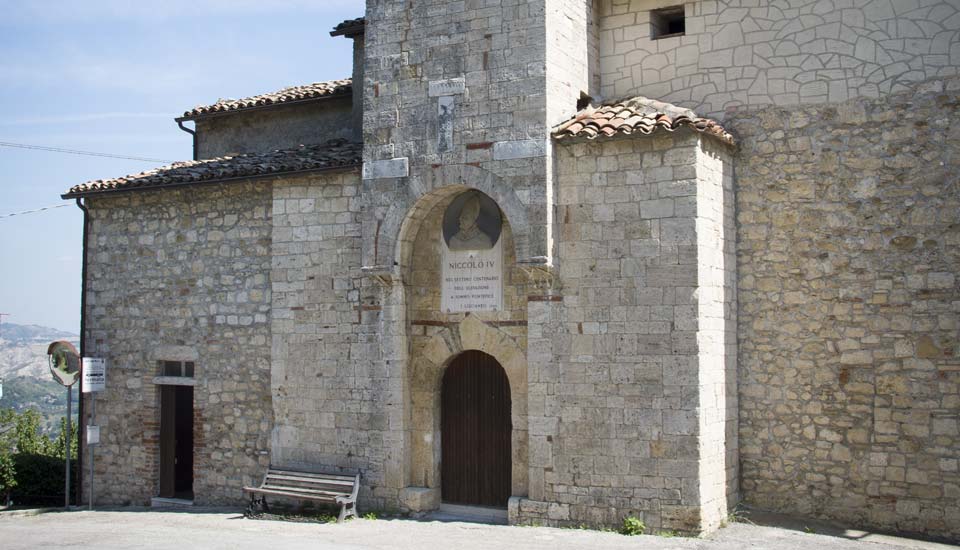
152, 529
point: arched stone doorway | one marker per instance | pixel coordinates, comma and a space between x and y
476, 431
425, 338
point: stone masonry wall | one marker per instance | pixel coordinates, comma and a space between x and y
615, 370
572, 66
335, 406
499, 128
849, 252
782, 52
282, 127
181, 275
486, 63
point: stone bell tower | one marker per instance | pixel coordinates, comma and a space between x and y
462, 97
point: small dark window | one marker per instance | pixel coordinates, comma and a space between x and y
667, 22
177, 368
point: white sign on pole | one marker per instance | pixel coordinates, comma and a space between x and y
94, 374
93, 435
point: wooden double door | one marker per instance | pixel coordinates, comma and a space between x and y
476, 429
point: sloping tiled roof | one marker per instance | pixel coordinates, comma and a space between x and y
637, 115
335, 154
305, 92
350, 27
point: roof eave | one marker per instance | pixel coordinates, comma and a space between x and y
252, 177
567, 138
215, 114
350, 31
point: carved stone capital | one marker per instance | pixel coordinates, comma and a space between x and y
384, 275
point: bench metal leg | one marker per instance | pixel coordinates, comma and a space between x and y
257, 505
347, 509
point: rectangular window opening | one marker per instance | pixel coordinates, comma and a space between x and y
181, 369
667, 22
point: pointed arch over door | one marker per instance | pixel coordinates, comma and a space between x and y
475, 432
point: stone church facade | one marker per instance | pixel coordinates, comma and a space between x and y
729, 233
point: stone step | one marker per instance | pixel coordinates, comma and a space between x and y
471, 514
162, 502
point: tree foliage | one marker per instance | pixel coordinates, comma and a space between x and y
29, 437
8, 477
31, 464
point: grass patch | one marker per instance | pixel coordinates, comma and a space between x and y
737, 515
632, 526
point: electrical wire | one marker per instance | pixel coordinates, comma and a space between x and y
76, 152
33, 211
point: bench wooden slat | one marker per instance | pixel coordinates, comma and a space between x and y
307, 490
296, 495
288, 481
312, 475
304, 490
327, 488
342, 483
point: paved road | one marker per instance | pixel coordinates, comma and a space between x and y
151, 529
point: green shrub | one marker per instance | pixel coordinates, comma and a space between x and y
632, 526
39, 479
8, 477
31, 464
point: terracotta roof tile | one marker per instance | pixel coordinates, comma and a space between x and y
305, 92
332, 155
637, 115
350, 27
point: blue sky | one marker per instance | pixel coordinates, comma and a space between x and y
109, 76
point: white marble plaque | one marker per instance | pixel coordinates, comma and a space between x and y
472, 256
472, 280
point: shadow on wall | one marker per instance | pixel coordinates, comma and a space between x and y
763, 518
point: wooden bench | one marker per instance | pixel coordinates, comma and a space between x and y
332, 488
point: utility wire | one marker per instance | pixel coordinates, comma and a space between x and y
32, 211
76, 152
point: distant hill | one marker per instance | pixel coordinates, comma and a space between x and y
27, 383
11, 332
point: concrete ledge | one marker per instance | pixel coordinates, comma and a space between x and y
174, 381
